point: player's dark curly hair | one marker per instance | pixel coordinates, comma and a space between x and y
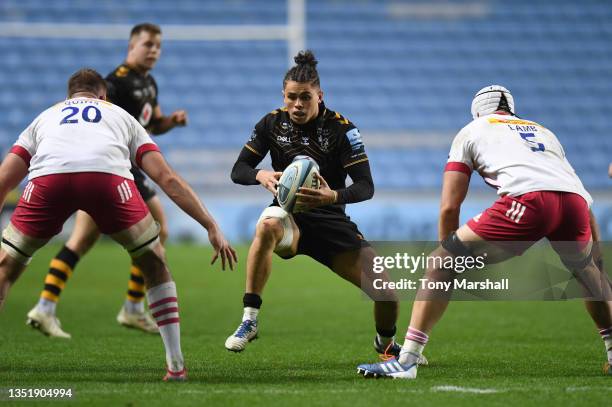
86, 80
305, 69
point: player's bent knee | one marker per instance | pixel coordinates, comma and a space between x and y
455, 246
275, 221
144, 243
19, 246
577, 263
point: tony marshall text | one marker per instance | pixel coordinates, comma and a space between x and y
455, 284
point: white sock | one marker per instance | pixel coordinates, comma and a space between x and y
133, 307
411, 350
250, 313
606, 335
46, 306
164, 307
413, 346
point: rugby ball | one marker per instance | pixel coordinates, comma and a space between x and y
300, 173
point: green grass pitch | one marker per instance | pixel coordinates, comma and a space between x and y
314, 330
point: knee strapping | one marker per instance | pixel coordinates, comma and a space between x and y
455, 246
147, 240
17, 245
285, 219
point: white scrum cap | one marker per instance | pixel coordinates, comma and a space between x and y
490, 99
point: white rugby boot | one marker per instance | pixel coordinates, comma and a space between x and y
48, 324
138, 320
246, 332
391, 368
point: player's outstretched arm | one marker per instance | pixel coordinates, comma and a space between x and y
184, 197
454, 190
160, 124
12, 171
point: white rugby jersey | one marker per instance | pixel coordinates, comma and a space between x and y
83, 135
515, 156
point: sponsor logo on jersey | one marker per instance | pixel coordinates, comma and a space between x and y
144, 93
283, 139
152, 92
145, 114
494, 120
284, 128
355, 139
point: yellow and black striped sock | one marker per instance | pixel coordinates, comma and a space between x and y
136, 286
60, 270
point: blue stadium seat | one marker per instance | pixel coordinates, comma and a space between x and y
382, 65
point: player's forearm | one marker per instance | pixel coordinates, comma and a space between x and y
449, 221
363, 185
244, 171
359, 191
162, 125
244, 174
185, 198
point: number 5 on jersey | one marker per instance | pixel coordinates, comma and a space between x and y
534, 145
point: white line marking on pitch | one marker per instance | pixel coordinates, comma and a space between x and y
459, 389
588, 388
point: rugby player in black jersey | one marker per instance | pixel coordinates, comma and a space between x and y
305, 126
132, 87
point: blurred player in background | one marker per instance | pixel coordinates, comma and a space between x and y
305, 126
131, 87
78, 154
540, 197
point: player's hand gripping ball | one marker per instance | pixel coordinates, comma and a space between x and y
302, 172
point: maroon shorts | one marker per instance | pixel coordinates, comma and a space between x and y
112, 201
558, 216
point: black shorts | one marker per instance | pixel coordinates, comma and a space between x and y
143, 184
327, 232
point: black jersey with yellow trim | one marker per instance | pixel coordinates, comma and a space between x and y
133, 92
330, 139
